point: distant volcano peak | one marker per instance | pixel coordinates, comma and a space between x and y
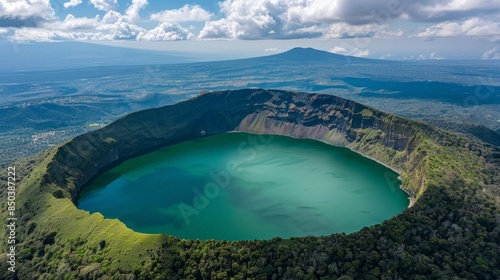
300, 50
307, 54
311, 54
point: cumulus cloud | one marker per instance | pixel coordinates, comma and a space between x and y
266, 19
338, 50
113, 26
45, 35
72, 3
386, 33
72, 23
166, 32
121, 29
133, 10
218, 30
104, 5
25, 13
112, 17
335, 19
470, 27
349, 11
186, 13
118, 31
344, 30
494, 53
245, 20
351, 52
261, 19
301, 19
443, 10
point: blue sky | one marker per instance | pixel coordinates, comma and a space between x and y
389, 29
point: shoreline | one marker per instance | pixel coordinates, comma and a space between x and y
411, 199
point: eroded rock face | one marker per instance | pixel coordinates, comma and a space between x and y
327, 118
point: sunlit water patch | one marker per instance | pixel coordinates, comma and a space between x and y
239, 186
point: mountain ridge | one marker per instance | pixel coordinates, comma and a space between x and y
308, 54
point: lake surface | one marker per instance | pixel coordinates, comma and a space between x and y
240, 186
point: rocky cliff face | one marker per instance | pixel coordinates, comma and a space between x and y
326, 118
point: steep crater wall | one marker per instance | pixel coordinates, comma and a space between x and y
331, 119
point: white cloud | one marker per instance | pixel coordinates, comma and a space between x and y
494, 53
113, 26
272, 50
166, 32
122, 26
444, 29
260, 19
72, 3
111, 17
351, 52
439, 10
218, 29
25, 13
478, 27
470, 27
186, 13
72, 23
273, 19
344, 30
301, 19
385, 33
360, 52
46, 35
427, 56
264, 19
338, 50
104, 5
249, 19
434, 55
311, 11
133, 10
121, 30
118, 31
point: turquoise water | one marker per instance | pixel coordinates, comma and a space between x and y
240, 186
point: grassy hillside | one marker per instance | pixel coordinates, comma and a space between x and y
451, 231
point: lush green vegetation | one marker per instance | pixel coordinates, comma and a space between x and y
452, 231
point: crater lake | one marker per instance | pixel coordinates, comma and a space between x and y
241, 186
